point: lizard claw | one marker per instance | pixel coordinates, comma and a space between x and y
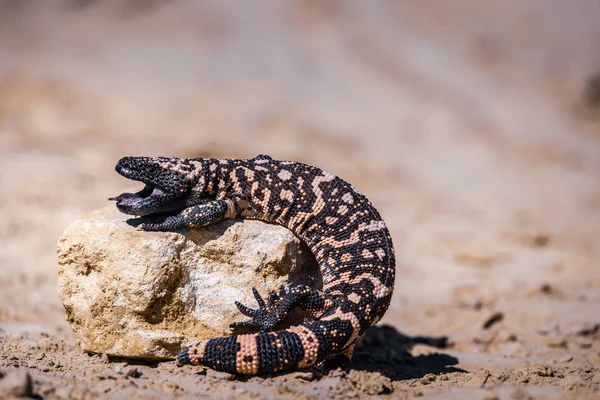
259, 299
248, 312
148, 227
244, 324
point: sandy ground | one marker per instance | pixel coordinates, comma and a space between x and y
475, 129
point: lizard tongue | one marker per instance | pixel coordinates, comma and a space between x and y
123, 196
126, 198
148, 190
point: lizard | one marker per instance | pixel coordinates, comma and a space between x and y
347, 235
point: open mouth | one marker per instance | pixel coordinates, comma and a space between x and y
129, 199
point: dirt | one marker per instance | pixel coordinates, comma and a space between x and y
474, 128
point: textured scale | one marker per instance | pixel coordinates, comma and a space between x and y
344, 231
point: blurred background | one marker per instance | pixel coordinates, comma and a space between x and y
474, 127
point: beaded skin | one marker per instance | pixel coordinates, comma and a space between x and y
340, 226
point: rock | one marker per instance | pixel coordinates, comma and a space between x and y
370, 383
586, 329
493, 319
133, 372
303, 375
224, 376
427, 379
15, 383
136, 294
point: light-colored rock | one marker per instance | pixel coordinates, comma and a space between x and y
131, 293
15, 383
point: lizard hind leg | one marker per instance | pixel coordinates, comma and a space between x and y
272, 312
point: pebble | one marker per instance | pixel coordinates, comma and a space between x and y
540, 239
211, 373
547, 289
587, 329
427, 379
510, 337
302, 375
16, 383
544, 371
566, 359
337, 373
491, 397
493, 319
133, 372
554, 342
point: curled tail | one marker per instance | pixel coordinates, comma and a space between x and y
268, 352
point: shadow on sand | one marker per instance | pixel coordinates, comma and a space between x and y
383, 349
387, 351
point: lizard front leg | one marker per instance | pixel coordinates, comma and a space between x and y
193, 217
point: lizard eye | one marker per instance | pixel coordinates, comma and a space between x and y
152, 171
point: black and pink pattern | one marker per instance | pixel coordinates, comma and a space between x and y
341, 227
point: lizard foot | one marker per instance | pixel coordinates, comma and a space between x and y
265, 318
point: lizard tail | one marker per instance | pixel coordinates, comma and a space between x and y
260, 353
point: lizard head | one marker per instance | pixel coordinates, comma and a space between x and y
167, 180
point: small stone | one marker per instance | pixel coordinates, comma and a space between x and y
587, 329
133, 372
337, 373
369, 384
493, 319
566, 359
16, 383
546, 330
211, 373
547, 289
540, 239
427, 379
479, 259
533, 238
519, 394
554, 342
171, 386
302, 375
486, 337
511, 338
545, 371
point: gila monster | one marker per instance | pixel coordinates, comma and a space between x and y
340, 226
